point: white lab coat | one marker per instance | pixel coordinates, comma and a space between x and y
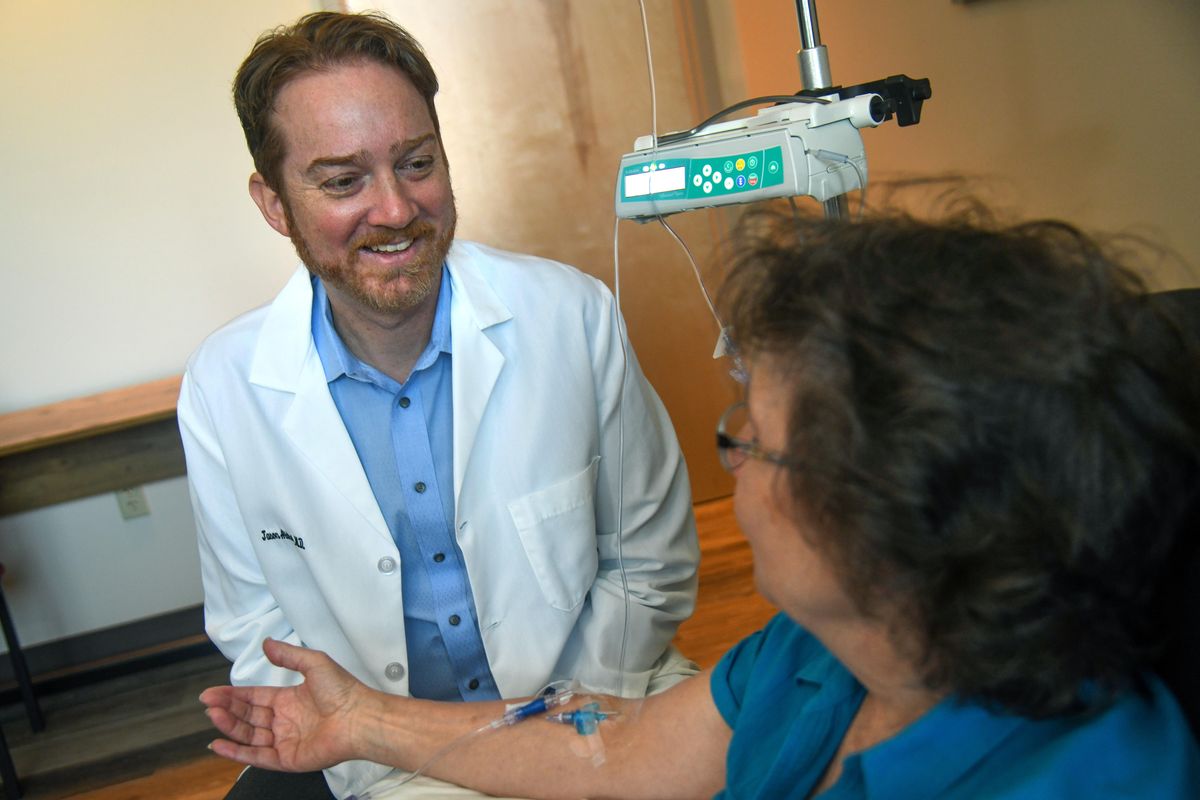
293, 545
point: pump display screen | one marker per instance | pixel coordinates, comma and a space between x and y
726, 174
640, 184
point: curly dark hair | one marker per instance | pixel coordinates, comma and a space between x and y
317, 41
997, 436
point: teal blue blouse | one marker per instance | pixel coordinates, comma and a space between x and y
789, 703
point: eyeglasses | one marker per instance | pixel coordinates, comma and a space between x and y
734, 451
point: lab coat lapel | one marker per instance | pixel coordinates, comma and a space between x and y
316, 429
477, 361
286, 360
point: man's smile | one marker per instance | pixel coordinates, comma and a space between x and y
394, 247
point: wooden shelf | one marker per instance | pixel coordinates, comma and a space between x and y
85, 417
89, 445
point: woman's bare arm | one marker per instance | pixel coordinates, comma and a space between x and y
669, 745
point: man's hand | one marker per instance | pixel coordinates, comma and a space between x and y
296, 728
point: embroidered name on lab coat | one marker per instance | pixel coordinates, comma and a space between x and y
282, 534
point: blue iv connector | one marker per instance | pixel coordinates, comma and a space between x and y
535, 706
585, 719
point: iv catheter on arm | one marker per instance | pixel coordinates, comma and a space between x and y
552, 696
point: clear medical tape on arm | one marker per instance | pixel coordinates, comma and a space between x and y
586, 720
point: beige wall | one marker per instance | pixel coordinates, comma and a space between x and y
128, 233
1079, 109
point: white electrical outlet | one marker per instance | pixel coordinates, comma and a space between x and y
132, 502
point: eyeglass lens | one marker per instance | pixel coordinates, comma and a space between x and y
736, 427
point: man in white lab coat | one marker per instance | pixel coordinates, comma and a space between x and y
436, 461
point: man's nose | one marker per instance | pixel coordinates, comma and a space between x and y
392, 205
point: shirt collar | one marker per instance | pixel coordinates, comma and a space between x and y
336, 358
902, 767
829, 681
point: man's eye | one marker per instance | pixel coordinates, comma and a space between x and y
419, 164
341, 184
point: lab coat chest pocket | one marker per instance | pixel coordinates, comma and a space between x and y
557, 526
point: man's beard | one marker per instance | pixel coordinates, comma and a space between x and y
386, 295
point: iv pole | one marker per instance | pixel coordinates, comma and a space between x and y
814, 75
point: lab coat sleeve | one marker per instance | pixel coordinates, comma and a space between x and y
239, 609
643, 492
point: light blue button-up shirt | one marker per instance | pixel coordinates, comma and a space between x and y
404, 435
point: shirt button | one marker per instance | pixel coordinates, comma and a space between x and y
405, 402
394, 671
420, 487
439, 557
474, 684
455, 619
387, 565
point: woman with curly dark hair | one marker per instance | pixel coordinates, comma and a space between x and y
966, 458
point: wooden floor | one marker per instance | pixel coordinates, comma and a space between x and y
144, 737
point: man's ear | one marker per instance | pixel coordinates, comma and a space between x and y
269, 203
